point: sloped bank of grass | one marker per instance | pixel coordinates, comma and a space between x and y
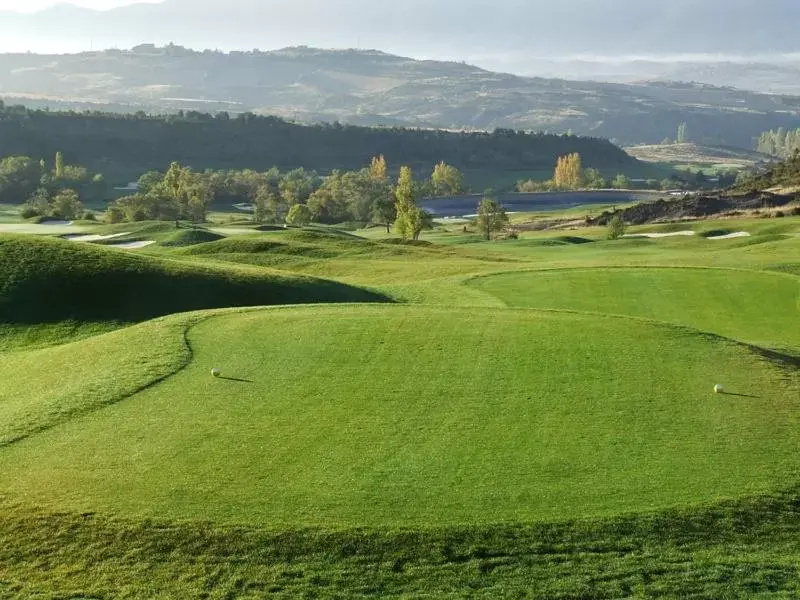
44, 387
734, 550
50, 280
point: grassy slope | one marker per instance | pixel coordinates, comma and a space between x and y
743, 549
52, 385
45, 280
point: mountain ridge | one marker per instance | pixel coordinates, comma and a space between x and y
373, 87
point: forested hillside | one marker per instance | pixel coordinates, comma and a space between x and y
124, 146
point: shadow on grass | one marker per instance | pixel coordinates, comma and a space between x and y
237, 380
740, 395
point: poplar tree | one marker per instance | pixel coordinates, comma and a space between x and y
409, 218
59, 170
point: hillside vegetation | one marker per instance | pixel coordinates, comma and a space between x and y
133, 144
698, 155
784, 175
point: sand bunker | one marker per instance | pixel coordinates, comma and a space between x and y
132, 245
730, 236
656, 236
93, 237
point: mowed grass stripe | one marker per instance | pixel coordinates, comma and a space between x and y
762, 309
412, 416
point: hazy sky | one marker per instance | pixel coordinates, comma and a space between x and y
34, 5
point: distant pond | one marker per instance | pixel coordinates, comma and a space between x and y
467, 205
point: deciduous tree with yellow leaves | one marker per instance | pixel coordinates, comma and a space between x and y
569, 172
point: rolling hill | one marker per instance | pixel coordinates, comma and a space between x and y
375, 88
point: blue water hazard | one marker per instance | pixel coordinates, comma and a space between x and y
467, 205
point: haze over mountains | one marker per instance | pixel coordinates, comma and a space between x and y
610, 39
648, 46
375, 88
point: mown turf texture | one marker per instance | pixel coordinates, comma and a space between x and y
759, 308
50, 280
433, 451
414, 416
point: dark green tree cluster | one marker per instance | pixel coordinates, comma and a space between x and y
55, 191
134, 144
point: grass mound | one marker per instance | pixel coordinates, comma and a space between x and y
769, 238
47, 280
521, 416
190, 237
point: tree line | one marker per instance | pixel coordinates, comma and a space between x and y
570, 175
123, 145
298, 196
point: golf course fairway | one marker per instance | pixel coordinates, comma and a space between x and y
381, 415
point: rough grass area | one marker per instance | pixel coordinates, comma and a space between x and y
745, 549
49, 280
190, 237
412, 416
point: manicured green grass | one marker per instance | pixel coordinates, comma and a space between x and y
758, 308
48, 386
343, 256
499, 436
412, 416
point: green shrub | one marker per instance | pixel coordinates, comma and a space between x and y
616, 228
29, 212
